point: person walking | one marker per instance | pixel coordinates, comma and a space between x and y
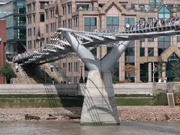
52, 80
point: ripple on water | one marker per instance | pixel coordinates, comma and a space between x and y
70, 128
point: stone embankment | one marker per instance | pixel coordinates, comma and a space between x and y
126, 113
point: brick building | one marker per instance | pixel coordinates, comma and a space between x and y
2, 47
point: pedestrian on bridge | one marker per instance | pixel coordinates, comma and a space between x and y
52, 80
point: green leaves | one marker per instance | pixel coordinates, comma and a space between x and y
161, 67
6, 71
176, 68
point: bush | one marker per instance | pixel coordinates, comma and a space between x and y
114, 79
176, 79
160, 99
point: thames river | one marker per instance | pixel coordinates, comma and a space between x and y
73, 128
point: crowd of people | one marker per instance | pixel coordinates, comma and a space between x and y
173, 20
20, 55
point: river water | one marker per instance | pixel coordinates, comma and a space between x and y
73, 128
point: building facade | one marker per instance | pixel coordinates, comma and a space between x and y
2, 47
14, 12
43, 17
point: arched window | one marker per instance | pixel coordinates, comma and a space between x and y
163, 12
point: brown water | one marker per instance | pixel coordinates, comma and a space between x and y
70, 128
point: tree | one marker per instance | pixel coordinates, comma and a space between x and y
160, 68
130, 69
114, 79
176, 68
6, 71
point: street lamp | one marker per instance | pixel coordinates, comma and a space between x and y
81, 78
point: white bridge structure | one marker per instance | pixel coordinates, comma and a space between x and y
99, 107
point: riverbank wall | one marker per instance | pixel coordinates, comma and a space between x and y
79, 89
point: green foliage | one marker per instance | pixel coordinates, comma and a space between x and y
160, 99
160, 68
176, 79
133, 95
6, 71
176, 68
133, 101
114, 79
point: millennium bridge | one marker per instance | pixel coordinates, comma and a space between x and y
99, 107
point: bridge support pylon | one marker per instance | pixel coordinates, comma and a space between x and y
99, 107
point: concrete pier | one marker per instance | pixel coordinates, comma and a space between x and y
99, 107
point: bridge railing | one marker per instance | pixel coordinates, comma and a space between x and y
138, 26
105, 31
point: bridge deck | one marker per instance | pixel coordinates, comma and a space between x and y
58, 49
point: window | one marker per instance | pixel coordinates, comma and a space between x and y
52, 13
29, 7
69, 67
30, 19
30, 32
142, 40
164, 39
101, 5
84, 6
178, 8
64, 9
34, 17
69, 23
150, 19
47, 28
142, 19
34, 31
34, 43
141, 51
76, 22
64, 65
129, 20
130, 51
69, 9
124, 6
154, 4
109, 49
161, 50
59, 21
178, 38
41, 17
76, 67
150, 39
46, 40
144, 72
141, 7
34, 6
42, 4
89, 23
51, 27
54, 27
94, 51
170, 7
150, 51
64, 24
46, 14
112, 21
21, 7
164, 12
